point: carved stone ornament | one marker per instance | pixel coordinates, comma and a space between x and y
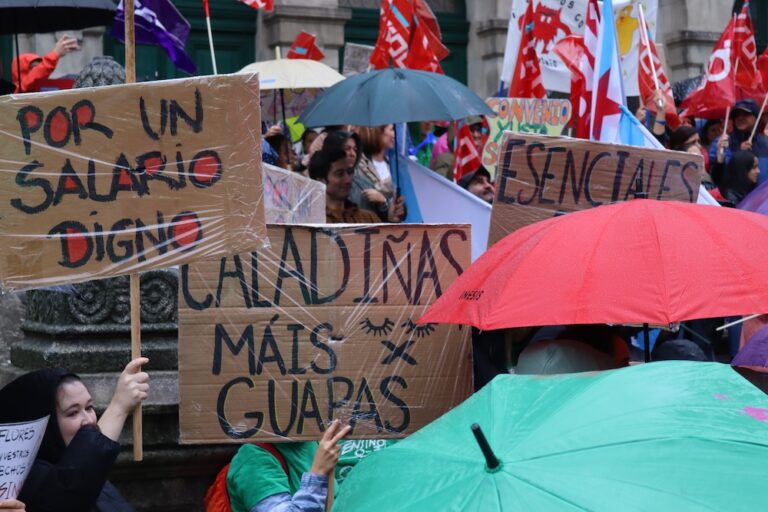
103, 306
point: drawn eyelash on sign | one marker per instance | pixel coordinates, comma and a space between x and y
420, 331
378, 330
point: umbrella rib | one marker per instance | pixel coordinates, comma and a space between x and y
545, 491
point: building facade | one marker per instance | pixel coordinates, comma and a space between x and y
474, 31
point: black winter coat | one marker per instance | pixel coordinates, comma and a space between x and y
63, 478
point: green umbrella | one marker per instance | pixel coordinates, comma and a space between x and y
669, 436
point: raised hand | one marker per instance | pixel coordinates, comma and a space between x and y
327, 454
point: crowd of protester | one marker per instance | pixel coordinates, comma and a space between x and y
733, 157
355, 164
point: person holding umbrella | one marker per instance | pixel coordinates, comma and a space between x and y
34, 68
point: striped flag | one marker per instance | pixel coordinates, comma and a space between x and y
648, 65
608, 90
591, 27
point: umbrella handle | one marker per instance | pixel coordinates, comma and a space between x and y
490, 458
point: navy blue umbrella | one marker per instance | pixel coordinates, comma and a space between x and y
393, 95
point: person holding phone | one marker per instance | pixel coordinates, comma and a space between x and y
34, 68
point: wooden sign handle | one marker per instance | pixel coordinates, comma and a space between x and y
130, 43
130, 78
138, 446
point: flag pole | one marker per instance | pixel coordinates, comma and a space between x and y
759, 115
647, 43
207, 10
135, 281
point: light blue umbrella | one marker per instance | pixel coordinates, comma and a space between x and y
392, 95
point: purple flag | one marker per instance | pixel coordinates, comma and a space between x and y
159, 23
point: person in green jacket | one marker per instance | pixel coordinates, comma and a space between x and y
257, 481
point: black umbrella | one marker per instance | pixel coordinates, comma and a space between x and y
39, 16
681, 89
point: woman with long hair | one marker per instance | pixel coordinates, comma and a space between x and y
372, 183
739, 177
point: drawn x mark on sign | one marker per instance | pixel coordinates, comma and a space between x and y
398, 351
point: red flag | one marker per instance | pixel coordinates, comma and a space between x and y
394, 34
421, 54
571, 50
304, 47
267, 5
762, 66
647, 84
587, 67
717, 91
380, 56
526, 78
423, 13
749, 82
466, 158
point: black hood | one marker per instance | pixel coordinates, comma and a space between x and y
31, 397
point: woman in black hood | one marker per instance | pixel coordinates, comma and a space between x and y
77, 452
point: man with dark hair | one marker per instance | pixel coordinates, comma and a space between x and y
479, 183
337, 176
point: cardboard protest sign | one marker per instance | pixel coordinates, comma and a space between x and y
523, 115
115, 180
19, 443
356, 58
290, 198
275, 344
541, 177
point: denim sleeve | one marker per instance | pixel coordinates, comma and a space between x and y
309, 498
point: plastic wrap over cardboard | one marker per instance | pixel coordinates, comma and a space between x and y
275, 344
523, 115
539, 177
290, 198
114, 180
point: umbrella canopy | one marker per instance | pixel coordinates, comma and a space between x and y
676, 435
634, 262
393, 96
37, 16
293, 74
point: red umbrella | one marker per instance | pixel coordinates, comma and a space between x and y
635, 262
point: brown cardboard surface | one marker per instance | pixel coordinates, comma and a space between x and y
539, 177
114, 180
255, 364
